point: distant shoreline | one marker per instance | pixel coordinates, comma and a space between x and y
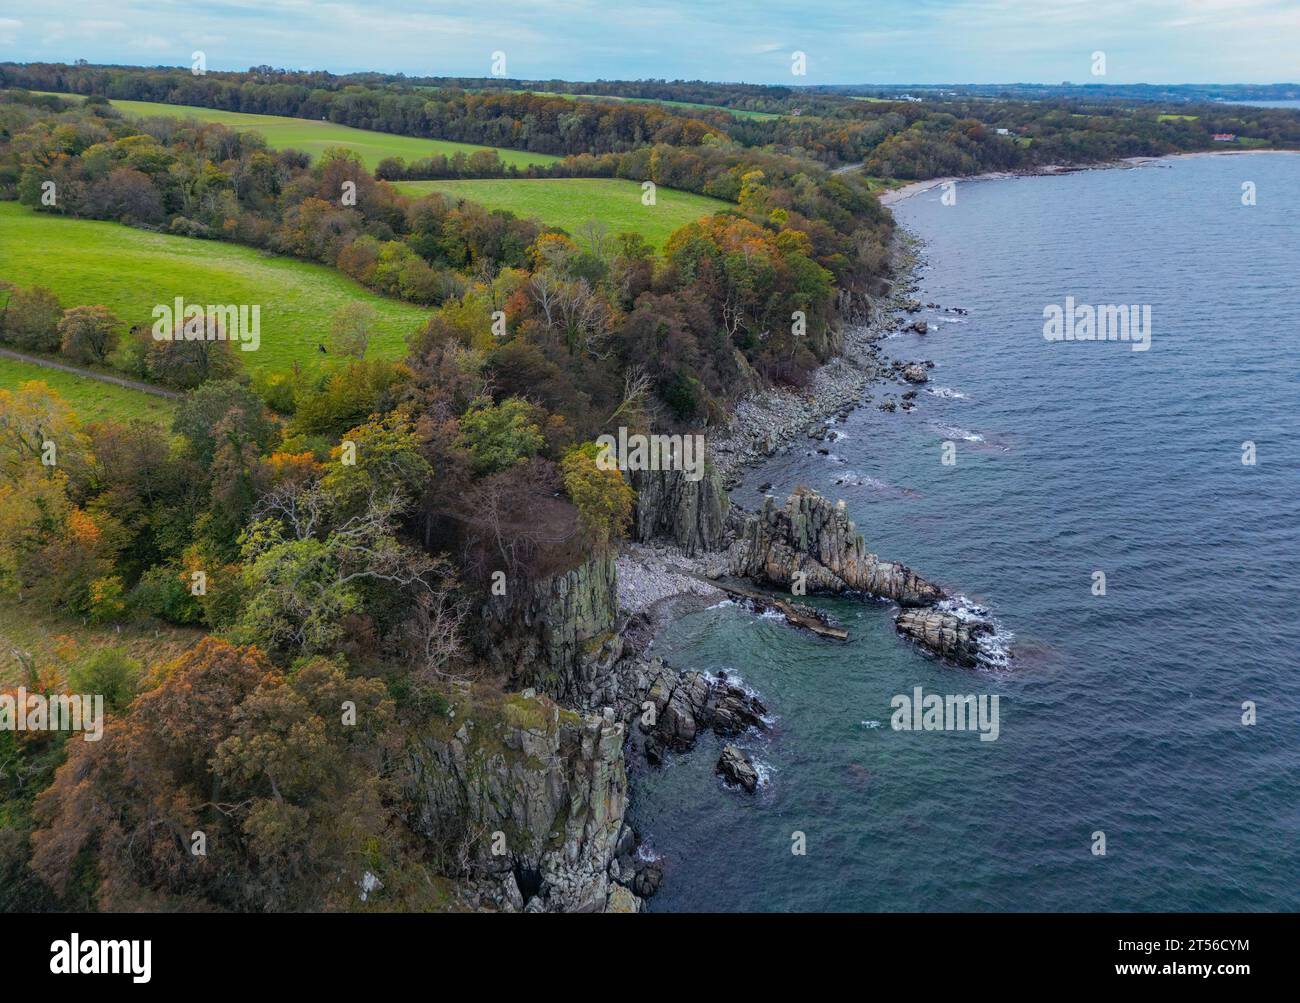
896, 195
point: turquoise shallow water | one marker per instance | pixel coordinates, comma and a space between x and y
1121, 713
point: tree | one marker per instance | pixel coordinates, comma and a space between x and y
88, 333
203, 410
187, 363
351, 328
498, 436
31, 319
603, 497
284, 789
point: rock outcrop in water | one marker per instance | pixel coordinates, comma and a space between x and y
812, 536
945, 632
736, 769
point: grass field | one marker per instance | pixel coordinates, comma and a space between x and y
572, 202
312, 137
93, 400
52, 639
87, 262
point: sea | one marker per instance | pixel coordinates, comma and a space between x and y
1130, 519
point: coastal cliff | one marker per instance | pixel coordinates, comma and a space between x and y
691, 514
526, 798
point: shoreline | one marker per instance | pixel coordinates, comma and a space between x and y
907, 191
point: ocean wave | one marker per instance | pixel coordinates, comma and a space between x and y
956, 432
947, 393
870, 724
994, 649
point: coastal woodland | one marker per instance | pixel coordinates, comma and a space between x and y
384, 577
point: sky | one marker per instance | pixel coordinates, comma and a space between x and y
843, 41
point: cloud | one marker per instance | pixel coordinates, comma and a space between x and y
846, 41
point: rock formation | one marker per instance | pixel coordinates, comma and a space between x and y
945, 632
736, 768
692, 514
528, 799
813, 536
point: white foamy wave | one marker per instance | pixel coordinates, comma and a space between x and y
646, 853
836, 435
947, 393
765, 772
870, 724
994, 648
955, 432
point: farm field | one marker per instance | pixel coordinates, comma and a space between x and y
313, 137
572, 202
93, 400
87, 262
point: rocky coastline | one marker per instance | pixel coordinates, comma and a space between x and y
545, 769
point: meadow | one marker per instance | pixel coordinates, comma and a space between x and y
572, 202
87, 262
93, 400
312, 137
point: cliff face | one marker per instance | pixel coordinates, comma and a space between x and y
812, 535
542, 638
692, 514
528, 798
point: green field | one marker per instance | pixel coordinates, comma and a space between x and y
88, 262
310, 136
93, 400
572, 202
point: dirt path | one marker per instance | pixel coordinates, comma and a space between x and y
120, 381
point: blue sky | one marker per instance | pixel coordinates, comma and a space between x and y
845, 41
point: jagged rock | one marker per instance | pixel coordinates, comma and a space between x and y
622, 900
915, 373
690, 513
812, 535
945, 633
919, 326
737, 769
551, 782
647, 881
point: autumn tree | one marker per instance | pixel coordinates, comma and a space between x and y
88, 333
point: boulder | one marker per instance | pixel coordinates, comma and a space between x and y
736, 768
946, 633
915, 373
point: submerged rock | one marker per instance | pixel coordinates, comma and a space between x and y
736, 768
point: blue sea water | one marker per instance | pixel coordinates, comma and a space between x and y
1119, 714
